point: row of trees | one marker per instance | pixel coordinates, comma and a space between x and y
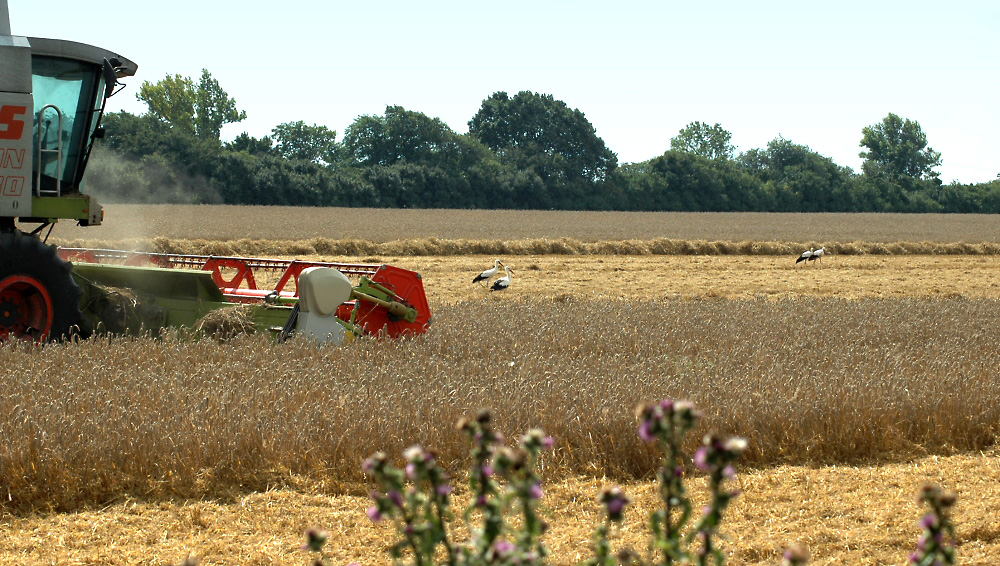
527, 151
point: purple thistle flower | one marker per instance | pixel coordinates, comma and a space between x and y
395, 497
615, 507
701, 459
443, 489
795, 555
374, 462
315, 539
614, 500
503, 547
535, 491
415, 454
374, 514
487, 470
644, 432
922, 543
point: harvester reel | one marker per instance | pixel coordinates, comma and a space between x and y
39, 300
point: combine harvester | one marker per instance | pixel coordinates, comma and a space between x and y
52, 98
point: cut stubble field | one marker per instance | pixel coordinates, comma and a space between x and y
856, 379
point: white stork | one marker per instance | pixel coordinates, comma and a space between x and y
805, 255
503, 282
818, 254
485, 276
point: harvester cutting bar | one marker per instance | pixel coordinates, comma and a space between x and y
384, 299
234, 275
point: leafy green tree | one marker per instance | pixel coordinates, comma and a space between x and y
413, 137
414, 160
249, 144
214, 107
297, 140
199, 110
704, 140
683, 181
531, 130
138, 136
799, 179
113, 178
171, 100
897, 149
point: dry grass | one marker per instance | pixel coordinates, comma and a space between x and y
855, 381
839, 381
845, 514
448, 279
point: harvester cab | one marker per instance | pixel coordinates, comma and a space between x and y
52, 98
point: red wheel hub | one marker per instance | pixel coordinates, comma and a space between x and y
25, 308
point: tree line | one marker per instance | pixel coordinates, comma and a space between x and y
526, 151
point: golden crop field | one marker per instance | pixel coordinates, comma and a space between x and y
225, 223
854, 379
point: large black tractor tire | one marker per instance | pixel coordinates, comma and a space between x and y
39, 300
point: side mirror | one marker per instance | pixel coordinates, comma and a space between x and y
110, 78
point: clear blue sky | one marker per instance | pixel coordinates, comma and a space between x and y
813, 72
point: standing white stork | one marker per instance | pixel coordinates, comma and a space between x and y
805, 255
503, 282
818, 254
485, 276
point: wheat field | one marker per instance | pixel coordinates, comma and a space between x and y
855, 379
226, 222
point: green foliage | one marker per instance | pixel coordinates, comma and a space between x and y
138, 136
214, 107
296, 140
798, 179
535, 131
897, 149
249, 144
680, 180
199, 110
704, 140
171, 100
149, 179
242, 178
403, 135
528, 151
